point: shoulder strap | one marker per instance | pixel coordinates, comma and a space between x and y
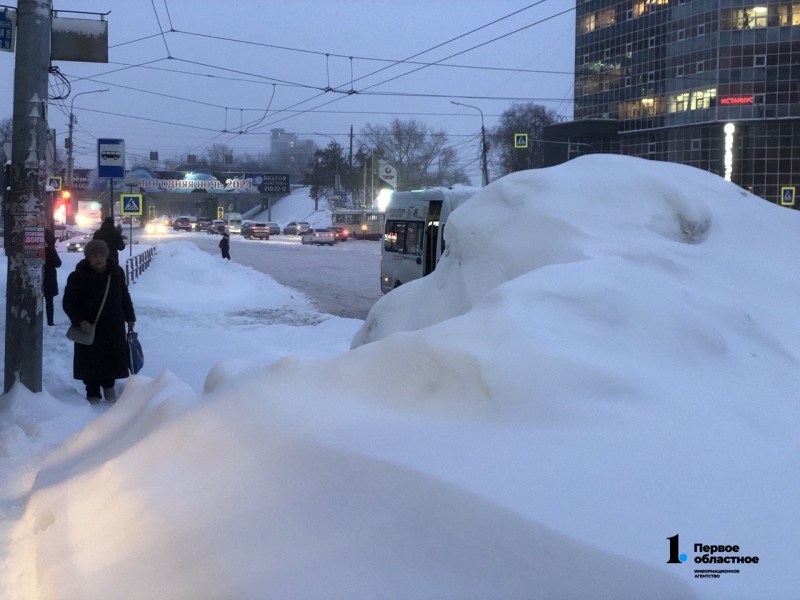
103, 303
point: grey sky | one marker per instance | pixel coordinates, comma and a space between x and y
358, 28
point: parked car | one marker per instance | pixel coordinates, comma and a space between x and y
274, 228
296, 228
78, 245
184, 224
318, 236
253, 229
341, 234
217, 227
202, 223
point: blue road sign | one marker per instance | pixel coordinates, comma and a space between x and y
7, 31
54, 182
130, 205
787, 196
111, 158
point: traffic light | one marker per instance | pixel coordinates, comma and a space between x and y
220, 212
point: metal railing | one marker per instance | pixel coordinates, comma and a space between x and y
136, 265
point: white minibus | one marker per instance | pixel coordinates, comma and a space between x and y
413, 240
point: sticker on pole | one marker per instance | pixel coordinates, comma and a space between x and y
33, 244
111, 158
130, 205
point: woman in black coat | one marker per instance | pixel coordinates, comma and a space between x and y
109, 234
50, 284
106, 360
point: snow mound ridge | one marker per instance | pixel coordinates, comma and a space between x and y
590, 209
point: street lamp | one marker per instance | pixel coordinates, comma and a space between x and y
70, 165
485, 167
337, 183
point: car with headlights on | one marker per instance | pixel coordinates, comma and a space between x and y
341, 234
318, 236
255, 229
296, 228
202, 224
217, 227
77, 245
184, 224
155, 228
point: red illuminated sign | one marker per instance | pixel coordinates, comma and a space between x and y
736, 100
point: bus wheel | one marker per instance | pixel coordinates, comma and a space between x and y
397, 284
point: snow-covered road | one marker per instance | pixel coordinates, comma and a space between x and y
343, 280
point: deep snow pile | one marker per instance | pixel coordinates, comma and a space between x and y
298, 206
613, 363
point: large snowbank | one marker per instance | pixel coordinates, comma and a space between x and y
613, 363
298, 206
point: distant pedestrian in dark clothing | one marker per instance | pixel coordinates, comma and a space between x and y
111, 237
225, 245
50, 284
106, 360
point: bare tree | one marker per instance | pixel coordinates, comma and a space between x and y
421, 155
220, 155
527, 118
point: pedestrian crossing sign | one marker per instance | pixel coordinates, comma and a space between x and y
520, 140
130, 205
54, 182
787, 196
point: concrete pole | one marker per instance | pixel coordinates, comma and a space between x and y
23, 343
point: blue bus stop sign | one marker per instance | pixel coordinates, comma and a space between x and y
7, 26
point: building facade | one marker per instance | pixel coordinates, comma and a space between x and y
708, 83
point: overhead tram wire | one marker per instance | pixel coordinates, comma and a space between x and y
409, 58
125, 68
447, 58
147, 37
158, 20
169, 16
372, 59
539, 22
105, 112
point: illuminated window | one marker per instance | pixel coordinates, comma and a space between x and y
606, 18
788, 14
640, 7
702, 98
637, 109
679, 102
749, 18
589, 23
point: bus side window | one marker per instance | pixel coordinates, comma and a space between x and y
395, 237
414, 239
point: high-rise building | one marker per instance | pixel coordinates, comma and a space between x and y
708, 83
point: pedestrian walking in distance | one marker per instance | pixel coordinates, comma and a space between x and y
112, 237
225, 245
52, 261
95, 278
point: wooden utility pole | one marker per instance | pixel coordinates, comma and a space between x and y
26, 210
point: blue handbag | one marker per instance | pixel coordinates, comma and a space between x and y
135, 353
